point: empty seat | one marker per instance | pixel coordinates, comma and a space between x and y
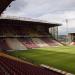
14, 67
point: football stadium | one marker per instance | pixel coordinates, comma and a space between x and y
31, 47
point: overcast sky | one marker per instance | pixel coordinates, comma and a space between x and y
50, 10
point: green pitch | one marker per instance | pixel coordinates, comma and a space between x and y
59, 57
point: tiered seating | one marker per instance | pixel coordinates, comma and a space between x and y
38, 34
19, 31
57, 42
6, 31
2, 70
50, 41
39, 42
13, 67
28, 43
32, 38
44, 34
3, 45
72, 43
14, 44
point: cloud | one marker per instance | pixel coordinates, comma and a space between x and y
15, 8
37, 8
50, 10
61, 19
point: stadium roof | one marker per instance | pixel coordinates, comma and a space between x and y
72, 33
4, 4
23, 21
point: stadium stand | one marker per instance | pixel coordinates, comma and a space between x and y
49, 41
3, 45
14, 44
71, 38
28, 42
18, 34
25, 34
39, 42
19, 68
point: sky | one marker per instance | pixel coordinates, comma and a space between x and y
55, 11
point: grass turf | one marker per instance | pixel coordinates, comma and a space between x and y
59, 57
